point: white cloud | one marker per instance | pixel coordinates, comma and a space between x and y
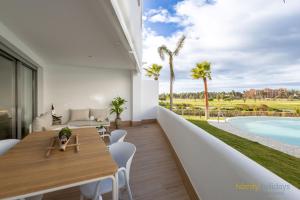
250, 43
161, 15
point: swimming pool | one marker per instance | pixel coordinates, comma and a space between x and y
282, 129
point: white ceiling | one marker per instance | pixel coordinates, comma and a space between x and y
68, 32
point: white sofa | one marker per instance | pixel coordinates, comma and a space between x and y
78, 118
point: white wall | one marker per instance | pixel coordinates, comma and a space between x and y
136, 89
85, 87
215, 168
149, 102
9, 39
131, 16
144, 98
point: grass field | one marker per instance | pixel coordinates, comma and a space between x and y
276, 104
284, 165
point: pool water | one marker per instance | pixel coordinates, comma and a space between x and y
282, 129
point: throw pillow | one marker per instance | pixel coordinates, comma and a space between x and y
100, 114
80, 114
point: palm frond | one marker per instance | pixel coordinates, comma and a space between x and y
148, 72
153, 71
156, 67
179, 46
195, 73
202, 70
162, 50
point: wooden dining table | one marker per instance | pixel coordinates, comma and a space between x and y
26, 171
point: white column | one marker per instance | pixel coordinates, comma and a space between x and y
149, 102
136, 80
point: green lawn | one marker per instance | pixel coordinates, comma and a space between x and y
285, 166
276, 104
192, 117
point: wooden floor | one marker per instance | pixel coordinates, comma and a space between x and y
154, 173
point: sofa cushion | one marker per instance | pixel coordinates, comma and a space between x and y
56, 127
80, 114
42, 123
100, 114
88, 123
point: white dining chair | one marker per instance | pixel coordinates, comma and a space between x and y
116, 136
7, 144
122, 153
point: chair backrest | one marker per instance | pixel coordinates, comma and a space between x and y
117, 136
5, 145
122, 153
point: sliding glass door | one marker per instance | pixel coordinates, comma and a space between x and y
26, 98
18, 97
7, 97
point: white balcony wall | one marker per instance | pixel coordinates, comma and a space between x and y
69, 87
130, 16
215, 169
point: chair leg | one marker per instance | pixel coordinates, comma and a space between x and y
98, 198
129, 190
81, 197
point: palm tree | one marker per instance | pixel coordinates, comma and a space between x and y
153, 71
202, 71
163, 50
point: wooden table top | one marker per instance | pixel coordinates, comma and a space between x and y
25, 169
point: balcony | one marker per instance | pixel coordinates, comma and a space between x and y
84, 58
154, 173
203, 167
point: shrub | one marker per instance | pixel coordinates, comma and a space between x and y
242, 107
263, 107
298, 111
182, 105
164, 104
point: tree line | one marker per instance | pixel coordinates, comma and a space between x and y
231, 95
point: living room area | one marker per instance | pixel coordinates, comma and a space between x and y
82, 96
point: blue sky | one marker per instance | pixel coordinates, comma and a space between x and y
251, 44
160, 27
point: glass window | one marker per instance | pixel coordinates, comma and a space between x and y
7, 98
17, 97
26, 83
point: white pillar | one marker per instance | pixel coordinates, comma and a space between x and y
136, 81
